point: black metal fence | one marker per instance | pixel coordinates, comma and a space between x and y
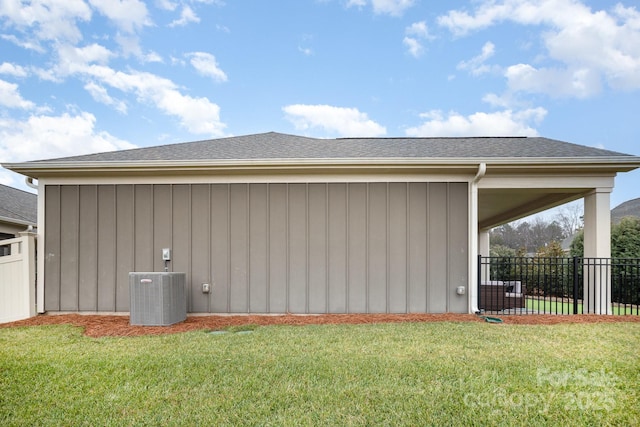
530, 285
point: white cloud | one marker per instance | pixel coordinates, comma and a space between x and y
414, 34
476, 65
166, 5
197, 115
11, 98
129, 45
356, 3
496, 101
413, 46
343, 121
177, 61
418, 29
50, 19
579, 83
382, 7
501, 123
25, 44
186, 16
590, 47
305, 51
223, 28
73, 59
54, 136
6, 178
205, 64
152, 57
391, 7
127, 15
305, 40
99, 93
12, 70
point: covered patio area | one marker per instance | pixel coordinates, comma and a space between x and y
503, 198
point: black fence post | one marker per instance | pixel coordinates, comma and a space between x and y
576, 277
479, 282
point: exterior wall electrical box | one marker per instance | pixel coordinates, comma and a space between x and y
157, 299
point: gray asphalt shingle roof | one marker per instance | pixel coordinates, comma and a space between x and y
274, 145
18, 205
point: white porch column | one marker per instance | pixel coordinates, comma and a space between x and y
483, 249
483, 242
597, 244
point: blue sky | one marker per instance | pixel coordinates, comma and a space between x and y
79, 76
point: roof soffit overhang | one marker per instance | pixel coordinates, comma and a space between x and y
539, 165
15, 221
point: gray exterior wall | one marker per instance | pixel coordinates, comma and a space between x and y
300, 248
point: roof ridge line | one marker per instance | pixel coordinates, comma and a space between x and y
436, 137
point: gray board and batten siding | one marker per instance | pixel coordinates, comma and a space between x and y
264, 248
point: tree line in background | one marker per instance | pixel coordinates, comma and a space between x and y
532, 252
544, 238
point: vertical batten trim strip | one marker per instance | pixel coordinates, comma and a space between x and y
348, 246
115, 247
60, 248
387, 224
78, 248
427, 254
248, 246
448, 243
97, 240
307, 244
287, 249
268, 249
133, 226
407, 248
229, 245
326, 248
367, 242
153, 224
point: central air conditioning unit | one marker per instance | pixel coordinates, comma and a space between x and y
157, 299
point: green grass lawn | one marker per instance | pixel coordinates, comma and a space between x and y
559, 307
384, 374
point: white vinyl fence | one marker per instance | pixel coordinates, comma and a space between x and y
17, 278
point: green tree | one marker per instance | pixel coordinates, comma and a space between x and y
552, 249
625, 240
551, 268
577, 245
502, 251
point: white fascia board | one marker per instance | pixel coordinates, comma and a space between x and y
238, 163
284, 178
16, 221
36, 169
551, 180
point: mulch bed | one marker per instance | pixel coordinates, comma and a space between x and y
114, 325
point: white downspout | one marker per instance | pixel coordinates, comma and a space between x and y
40, 248
473, 237
29, 181
482, 169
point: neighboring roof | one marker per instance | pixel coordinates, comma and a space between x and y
628, 208
17, 206
281, 150
274, 145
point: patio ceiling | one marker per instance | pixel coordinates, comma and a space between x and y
500, 206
